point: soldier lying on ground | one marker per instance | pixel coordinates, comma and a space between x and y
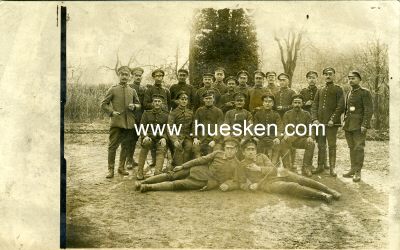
256, 172
214, 170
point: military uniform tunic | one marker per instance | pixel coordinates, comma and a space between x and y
284, 98
227, 100
182, 86
157, 90
255, 95
308, 95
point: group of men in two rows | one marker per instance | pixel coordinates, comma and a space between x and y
233, 100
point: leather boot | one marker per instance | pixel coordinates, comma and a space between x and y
312, 193
159, 161
163, 186
110, 172
350, 173
357, 176
332, 162
122, 159
306, 171
336, 195
156, 179
137, 185
321, 161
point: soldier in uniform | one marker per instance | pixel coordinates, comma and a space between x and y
257, 91
207, 81
157, 89
295, 117
269, 144
271, 86
219, 84
309, 92
140, 90
183, 142
327, 108
215, 170
243, 77
357, 117
119, 103
238, 116
182, 86
256, 172
206, 141
154, 117
284, 96
227, 101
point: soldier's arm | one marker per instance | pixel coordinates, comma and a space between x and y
220, 121
204, 160
290, 106
136, 99
279, 124
171, 122
106, 103
368, 109
147, 101
144, 122
169, 104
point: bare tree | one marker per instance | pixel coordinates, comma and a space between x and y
289, 52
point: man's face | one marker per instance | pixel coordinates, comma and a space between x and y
219, 75
329, 76
239, 102
271, 78
137, 77
297, 103
250, 152
312, 79
208, 101
183, 100
230, 149
231, 85
354, 80
207, 81
182, 76
158, 78
258, 79
242, 79
157, 103
268, 103
283, 82
124, 76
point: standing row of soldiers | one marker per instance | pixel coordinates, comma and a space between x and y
232, 100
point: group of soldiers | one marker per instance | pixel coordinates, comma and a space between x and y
234, 100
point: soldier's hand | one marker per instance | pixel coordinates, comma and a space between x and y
211, 144
115, 113
177, 144
285, 137
316, 122
224, 187
309, 140
203, 189
276, 141
177, 168
330, 123
253, 187
279, 108
254, 167
196, 141
131, 106
163, 142
309, 102
363, 130
146, 139
256, 139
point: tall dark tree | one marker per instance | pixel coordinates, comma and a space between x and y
222, 38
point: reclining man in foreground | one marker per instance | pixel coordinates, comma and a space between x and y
256, 172
217, 169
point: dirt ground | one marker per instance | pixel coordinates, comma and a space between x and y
109, 213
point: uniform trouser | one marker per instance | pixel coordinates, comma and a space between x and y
203, 148
170, 181
297, 142
132, 145
118, 136
266, 146
160, 154
294, 184
356, 142
330, 136
184, 153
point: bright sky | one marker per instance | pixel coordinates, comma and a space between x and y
153, 30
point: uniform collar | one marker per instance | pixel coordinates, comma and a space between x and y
312, 87
156, 111
123, 84
356, 88
181, 83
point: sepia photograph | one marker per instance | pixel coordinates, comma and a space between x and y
246, 125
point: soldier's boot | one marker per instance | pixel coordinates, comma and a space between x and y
336, 195
163, 186
321, 161
351, 172
142, 159
332, 162
156, 179
312, 193
110, 172
160, 155
138, 185
306, 171
121, 168
357, 176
